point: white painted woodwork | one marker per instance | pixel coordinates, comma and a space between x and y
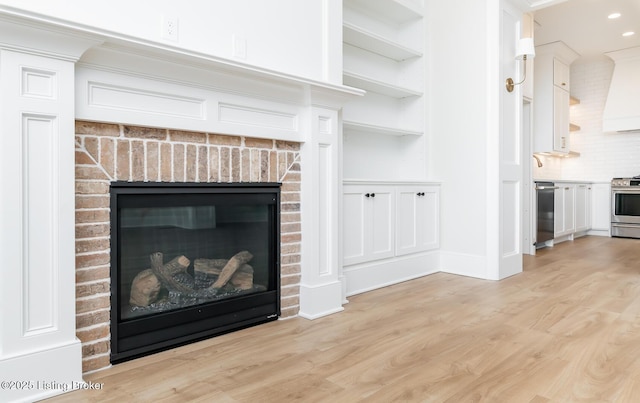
383, 53
600, 209
551, 100
564, 210
37, 209
504, 163
391, 234
369, 223
466, 155
561, 75
583, 207
305, 34
321, 287
417, 218
173, 91
49, 79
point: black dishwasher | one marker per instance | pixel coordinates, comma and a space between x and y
545, 209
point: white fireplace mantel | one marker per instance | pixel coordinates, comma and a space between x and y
53, 72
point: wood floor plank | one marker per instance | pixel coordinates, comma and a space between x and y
566, 329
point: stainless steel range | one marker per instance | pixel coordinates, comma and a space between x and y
625, 207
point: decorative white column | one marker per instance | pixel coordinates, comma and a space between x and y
40, 355
321, 286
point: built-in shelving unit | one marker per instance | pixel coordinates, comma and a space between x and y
384, 55
390, 226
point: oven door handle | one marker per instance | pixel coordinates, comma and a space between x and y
546, 187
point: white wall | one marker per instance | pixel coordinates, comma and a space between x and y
602, 155
289, 36
458, 121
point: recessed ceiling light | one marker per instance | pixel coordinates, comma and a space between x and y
613, 16
629, 33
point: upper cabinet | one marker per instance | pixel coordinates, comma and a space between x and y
552, 98
383, 53
561, 74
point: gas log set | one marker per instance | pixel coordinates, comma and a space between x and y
170, 285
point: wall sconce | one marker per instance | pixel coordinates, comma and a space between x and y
525, 48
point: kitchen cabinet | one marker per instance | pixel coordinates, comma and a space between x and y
572, 205
383, 53
551, 125
564, 210
582, 207
369, 223
561, 75
561, 139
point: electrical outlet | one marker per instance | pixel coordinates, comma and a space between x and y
170, 28
239, 46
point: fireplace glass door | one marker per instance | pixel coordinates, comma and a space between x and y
190, 261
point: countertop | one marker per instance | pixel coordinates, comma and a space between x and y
571, 181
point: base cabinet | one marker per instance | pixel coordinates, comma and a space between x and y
417, 219
572, 205
368, 223
583, 207
564, 222
390, 233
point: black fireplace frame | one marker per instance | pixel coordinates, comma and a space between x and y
147, 335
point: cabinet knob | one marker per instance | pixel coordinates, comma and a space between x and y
564, 83
420, 193
373, 195
370, 195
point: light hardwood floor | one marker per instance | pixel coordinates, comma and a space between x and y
565, 330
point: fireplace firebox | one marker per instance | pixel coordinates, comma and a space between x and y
191, 261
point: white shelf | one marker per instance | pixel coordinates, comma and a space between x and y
380, 87
396, 11
365, 39
375, 129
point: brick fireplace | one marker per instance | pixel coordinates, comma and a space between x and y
82, 108
108, 152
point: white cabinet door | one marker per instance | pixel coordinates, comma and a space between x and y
368, 223
564, 210
417, 219
353, 205
561, 75
583, 207
552, 94
569, 209
560, 120
381, 231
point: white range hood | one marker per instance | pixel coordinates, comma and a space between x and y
622, 109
